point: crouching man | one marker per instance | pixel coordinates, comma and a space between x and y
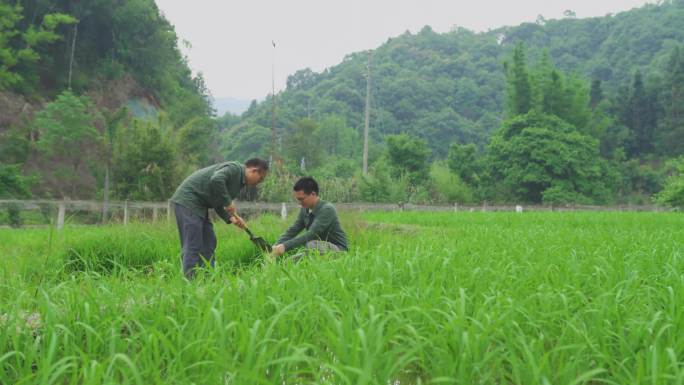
318, 219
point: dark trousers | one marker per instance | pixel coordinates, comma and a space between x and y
198, 240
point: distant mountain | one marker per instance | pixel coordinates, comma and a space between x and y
232, 105
451, 87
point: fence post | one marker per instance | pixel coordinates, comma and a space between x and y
125, 212
154, 214
60, 215
168, 211
455, 207
283, 211
105, 210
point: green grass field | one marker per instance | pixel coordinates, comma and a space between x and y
421, 298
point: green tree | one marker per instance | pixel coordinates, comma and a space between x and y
117, 46
114, 121
69, 139
377, 185
640, 118
519, 87
439, 128
673, 193
18, 47
337, 138
245, 141
557, 94
408, 156
612, 135
198, 141
302, 79
553, 96
463, 162
446, 186
303, 144
13, 185
535, 152
380, 186
145, 164
15, 144
595, 94
577, 97
227, 121
673, 123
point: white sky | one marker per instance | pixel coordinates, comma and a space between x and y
231, 39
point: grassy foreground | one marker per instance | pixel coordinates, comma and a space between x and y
467, 298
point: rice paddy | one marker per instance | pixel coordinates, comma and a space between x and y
420, 298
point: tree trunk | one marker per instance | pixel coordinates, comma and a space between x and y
74, 183
105, 205
366, 118
71, 60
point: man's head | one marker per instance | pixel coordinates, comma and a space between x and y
306, 192
255, 171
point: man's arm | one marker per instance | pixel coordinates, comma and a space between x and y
321, 222
219, 191
293, 230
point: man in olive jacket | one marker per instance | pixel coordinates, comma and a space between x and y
319, 220
213, 187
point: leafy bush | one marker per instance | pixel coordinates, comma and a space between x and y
14, 215
673, 193
447, 187
377, 185
558, 195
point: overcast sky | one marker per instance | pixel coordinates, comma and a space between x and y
231, 39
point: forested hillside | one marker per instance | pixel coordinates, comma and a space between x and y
96, 101
617, 78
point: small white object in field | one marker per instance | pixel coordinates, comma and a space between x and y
518, 209
283, 211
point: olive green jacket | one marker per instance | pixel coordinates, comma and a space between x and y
212, 187
321, 223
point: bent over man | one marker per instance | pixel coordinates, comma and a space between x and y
213, 187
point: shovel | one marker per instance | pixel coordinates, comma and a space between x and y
258, 241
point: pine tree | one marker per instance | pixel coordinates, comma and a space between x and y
640, 118
596, 94
520, 90
673, 125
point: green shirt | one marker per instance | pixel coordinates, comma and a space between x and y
321, 223
212, 187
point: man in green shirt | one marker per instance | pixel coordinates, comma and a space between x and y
213, 187
319, 220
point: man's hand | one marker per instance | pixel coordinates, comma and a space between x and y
230, 209
278, 250
237, 221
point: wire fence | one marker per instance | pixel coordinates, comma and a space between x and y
58, 212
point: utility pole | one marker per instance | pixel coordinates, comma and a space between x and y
273, 109
365, 127
71, 59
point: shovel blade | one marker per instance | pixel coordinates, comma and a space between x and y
261, 243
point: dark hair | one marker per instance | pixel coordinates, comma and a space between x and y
257, 163
306, 184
